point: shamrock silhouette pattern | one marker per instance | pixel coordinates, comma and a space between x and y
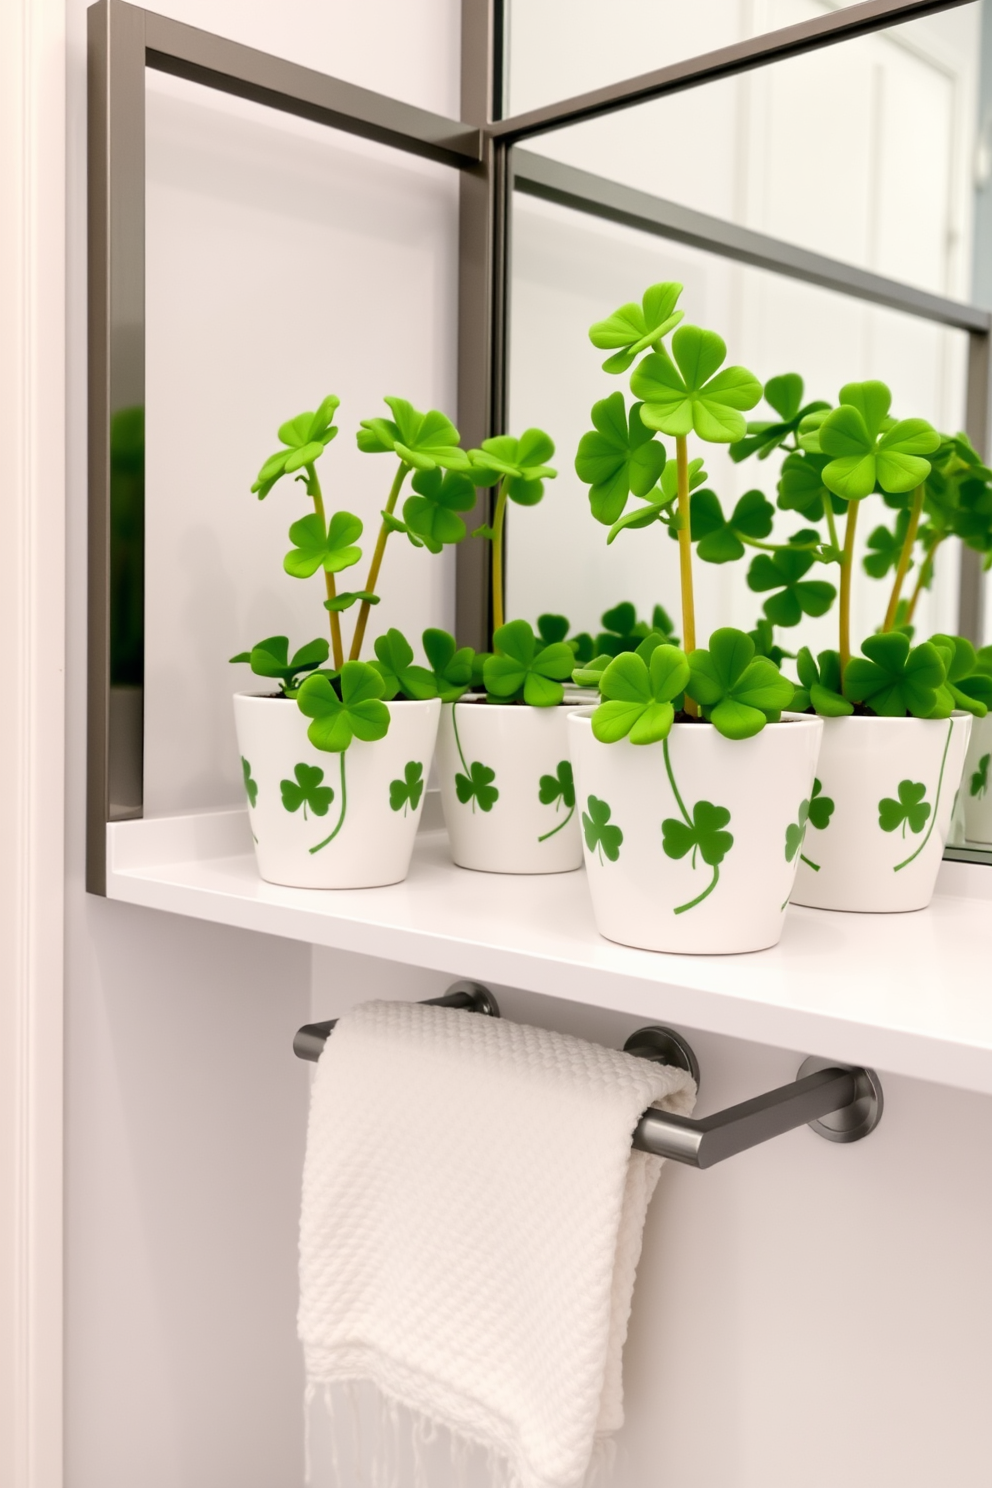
306, 791
251, 786
477, 786
980, 777
821, 808
601, 835
406, 793
560, 789
910, 810
702, 833
795, 832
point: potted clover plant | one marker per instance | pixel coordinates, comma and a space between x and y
335, 759
689, 772
502, 753
897, 716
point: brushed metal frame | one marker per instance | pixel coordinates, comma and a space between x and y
124, 40
842, 1103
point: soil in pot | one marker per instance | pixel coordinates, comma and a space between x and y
691, 844
506, 787
333, 821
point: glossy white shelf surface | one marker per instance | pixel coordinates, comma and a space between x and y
906, 993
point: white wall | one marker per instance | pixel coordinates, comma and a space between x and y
807, 1313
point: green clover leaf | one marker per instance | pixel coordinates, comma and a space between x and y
639, 696
866, 447
407, 792
911, 810
270, 658
347, 597
358, 713
332, 550
633, 328
980, 777
738, 692
422, 440
601, 835
477, 786
251, 786
892, 680
821, 808
552, 629
618, 458
660, 501
306, 791
518, 463
763, 636
559, 787
785, 395
452, 667
820, 679
432, 514
966, 685
520, 669
394, 663
690, 393
797, 596
705, 834
886, 546
719, 539
306, 437
801, 488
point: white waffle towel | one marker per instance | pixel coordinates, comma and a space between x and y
472, 1221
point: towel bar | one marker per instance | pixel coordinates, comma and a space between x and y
839, 1102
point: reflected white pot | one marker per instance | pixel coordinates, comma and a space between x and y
881, 813
494, 763
360, 835
651, 887
976, 783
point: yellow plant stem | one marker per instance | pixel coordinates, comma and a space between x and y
902, 567
498, 519
846, 571
685, 558
926, 569
380, 548
313, 487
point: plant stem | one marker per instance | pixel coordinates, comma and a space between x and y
828, 511
313, 487
380, 548
344, 808
752, 542
498, 518
685, 559
846, 570
902, 567
926, 571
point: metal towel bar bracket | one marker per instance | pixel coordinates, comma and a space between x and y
839, 1102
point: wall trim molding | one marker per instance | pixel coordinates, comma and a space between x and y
32, 750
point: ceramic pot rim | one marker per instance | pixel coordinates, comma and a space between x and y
585, 716
262, 697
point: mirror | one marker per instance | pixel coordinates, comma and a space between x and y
830, 152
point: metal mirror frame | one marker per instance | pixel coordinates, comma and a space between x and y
124, 40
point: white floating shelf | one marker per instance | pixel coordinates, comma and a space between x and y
909, 994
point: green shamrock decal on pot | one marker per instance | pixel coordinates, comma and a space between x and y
640, 696
408, 791
332, 550
910, 810
558, 788
691, 393
633, 328
618, 458
521, 670
305, 437
251, 786
816, 812
703, 834
785, 571
980, 778
477, 785
306, 791
601, 835
894, 679
821, 808
795, 832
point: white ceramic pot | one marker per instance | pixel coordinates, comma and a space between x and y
691, 845
976, 783
350, 826
880, 817
506, 787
